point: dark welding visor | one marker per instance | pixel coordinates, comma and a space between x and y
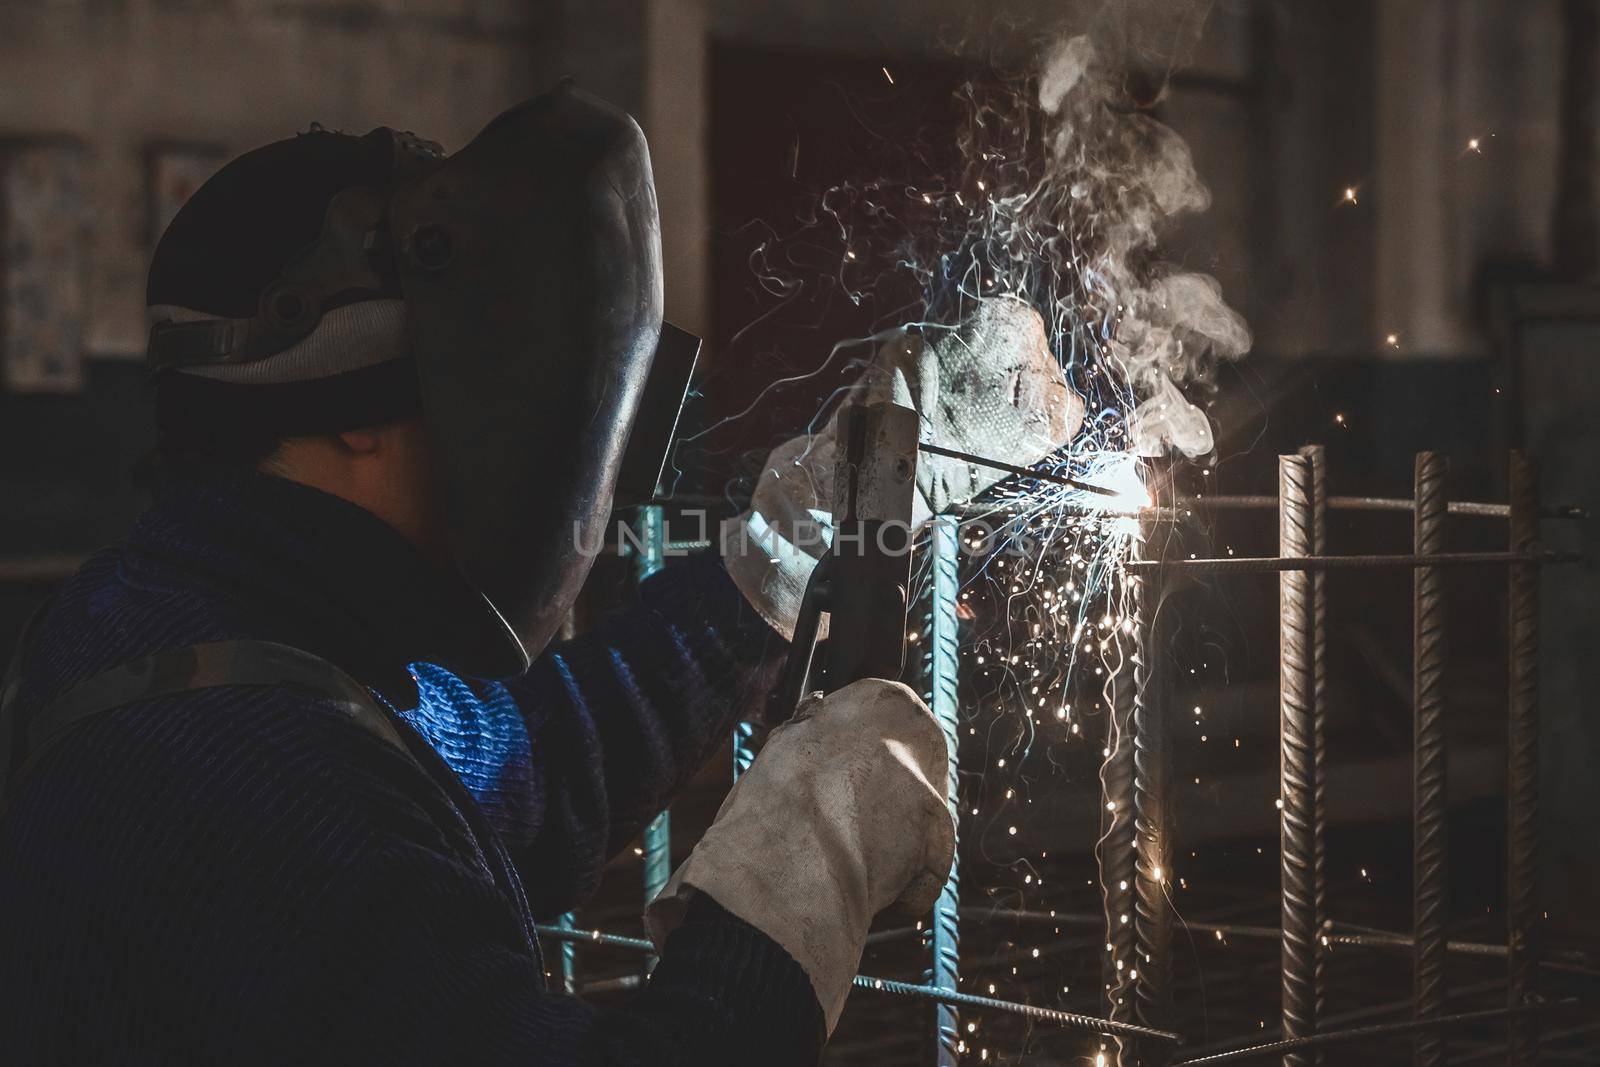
529, 263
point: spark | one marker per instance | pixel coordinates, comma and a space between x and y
1350, 195
887, 75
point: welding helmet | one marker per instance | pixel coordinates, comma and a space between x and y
512, 291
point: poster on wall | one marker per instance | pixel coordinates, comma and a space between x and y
44, 240
173, 171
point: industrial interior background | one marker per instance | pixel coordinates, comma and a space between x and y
1405, 210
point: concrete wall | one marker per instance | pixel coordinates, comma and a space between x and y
123, 76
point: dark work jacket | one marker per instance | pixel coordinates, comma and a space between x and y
240, 876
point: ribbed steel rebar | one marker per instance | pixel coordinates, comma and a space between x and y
1430, 799
1151, 830
1116, 849
1361, 1033
1067, 1019
1522, 776
1317, 456
657, 843
1313, 564
941, 663
1297, 777
568, 950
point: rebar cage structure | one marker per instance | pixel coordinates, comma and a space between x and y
1138, 831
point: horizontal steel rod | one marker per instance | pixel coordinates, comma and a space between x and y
1273, 564
1364, 1033
1338, 503
1380, 503
1350, 936
1364, 937
1067, 1019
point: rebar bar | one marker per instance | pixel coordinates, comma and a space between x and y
1430, 798
1362, 1033
1297, 777
1575, 960
1522, 775
568, 951
1115, 851
1317, 456
657, 843
1475, 509
1267, 564
1151, 814
1066, 1019
941, 663
569, 957
744, 747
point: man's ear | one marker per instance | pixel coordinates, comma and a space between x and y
358, 442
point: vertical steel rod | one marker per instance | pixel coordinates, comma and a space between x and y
569, 921
1296, 748
941, 663
1116, 850
744, 748
1152, 816
657, 842
1430, 796
1317, 456
1522, 778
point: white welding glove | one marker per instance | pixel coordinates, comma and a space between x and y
843, 814
990, 387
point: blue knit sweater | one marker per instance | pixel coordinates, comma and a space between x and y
236, 875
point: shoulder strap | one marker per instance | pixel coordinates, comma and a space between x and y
183, 670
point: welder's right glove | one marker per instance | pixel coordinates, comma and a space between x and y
989, 386
843, 814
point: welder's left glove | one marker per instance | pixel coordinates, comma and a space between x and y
990, 387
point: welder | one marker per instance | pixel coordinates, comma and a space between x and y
290, 769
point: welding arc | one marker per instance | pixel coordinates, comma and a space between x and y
1012, 468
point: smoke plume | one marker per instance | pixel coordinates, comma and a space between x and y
1072, 182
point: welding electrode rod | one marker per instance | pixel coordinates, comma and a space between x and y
1152, 914
657, 842
1012, 468
1115, 849
941, 662
1430, 799
1297, 778
1522, 774
1317, 456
